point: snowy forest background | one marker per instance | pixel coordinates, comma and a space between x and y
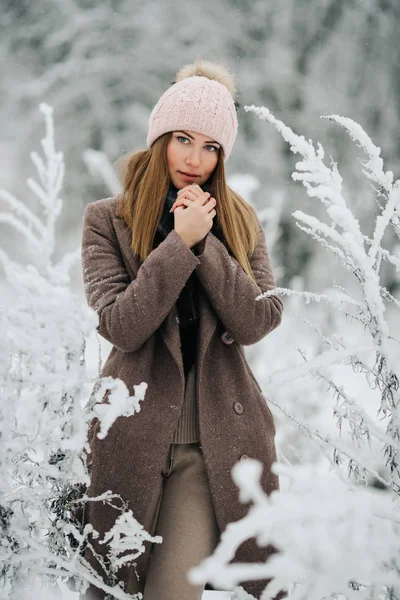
330, 371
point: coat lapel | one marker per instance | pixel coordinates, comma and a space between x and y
208, 323
170, 326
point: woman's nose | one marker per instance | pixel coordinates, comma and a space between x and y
193, 158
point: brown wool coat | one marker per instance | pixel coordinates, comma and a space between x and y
137, 312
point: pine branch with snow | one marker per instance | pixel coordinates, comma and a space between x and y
360, 255
44, 410
337, 533
320, 524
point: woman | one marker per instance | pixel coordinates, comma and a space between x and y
173, 267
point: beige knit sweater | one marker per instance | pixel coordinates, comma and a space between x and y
187, 430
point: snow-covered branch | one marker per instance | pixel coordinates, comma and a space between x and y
44, 410
322, 522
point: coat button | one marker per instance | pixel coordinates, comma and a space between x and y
244, 456
226, 338
238, 408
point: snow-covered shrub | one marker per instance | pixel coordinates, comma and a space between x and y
336, 526
44, 404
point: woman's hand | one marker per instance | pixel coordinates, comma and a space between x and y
188, 194
193, 214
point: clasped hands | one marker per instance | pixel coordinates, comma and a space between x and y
193, 193
193, 214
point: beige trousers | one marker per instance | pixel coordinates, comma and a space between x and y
181, 512
185, 519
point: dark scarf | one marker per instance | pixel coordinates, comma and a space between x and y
187, 301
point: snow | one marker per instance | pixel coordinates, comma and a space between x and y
329, 374
207, 595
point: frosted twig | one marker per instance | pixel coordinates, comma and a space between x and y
338, 301
336, 445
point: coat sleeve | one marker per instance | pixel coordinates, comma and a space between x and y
233, 293
130, 311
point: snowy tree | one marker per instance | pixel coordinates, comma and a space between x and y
104, 67
338, 535
47, 404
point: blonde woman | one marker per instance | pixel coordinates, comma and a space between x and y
173, 267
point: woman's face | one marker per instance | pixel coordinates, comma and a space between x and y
191, 157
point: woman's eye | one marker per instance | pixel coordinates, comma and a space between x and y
209, 147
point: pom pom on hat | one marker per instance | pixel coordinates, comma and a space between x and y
202, 100
211, 70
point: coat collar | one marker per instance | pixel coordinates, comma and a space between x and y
170, 326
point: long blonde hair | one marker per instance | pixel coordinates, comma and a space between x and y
145, 185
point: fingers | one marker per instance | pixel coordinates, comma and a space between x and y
210, 202
192, 189
194, 192
182, 202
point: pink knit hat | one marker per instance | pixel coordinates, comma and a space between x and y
199, 104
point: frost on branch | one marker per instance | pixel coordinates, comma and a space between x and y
320, 523
44, 388
335, 523
127, 535
361, 256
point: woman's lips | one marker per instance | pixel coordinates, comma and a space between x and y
187, 176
